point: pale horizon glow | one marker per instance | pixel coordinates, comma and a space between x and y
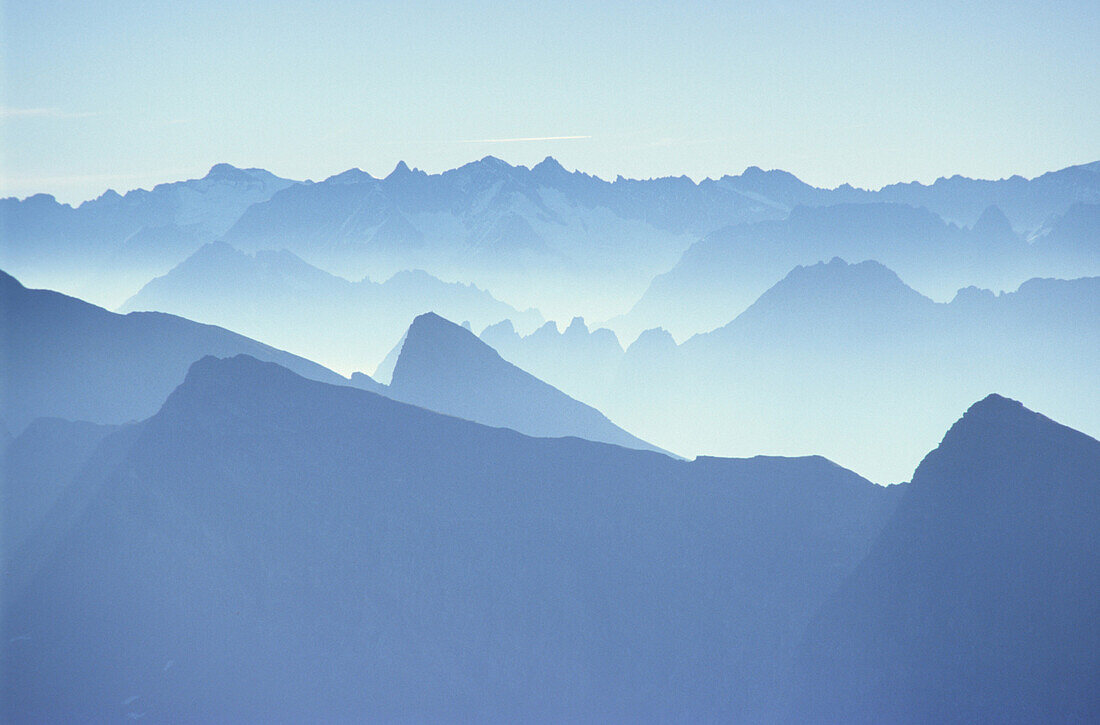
838, 91
44, 113
529, 138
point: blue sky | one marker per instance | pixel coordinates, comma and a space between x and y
127, 94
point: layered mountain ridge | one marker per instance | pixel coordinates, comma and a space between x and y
497, 575
279, 298
446, 368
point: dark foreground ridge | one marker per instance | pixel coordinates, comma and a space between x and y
273, 547
978, 600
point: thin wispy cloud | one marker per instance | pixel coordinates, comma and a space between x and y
526, 138
6, 113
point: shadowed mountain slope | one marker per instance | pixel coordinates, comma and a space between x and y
979, 599
273, 547
36, 467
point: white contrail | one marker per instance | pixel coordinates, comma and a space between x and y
531, 138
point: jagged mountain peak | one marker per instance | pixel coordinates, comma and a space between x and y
494, 162
576, 327
439, 344
991, 414
445, 367
1000, 434
504, 327
430, 321
549, 164
113, 196
973, 295
402, 171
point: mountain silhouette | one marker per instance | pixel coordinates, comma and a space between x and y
720, 275
69, 359
270, 547
830, 302
978, 600
105, 248
564, 242
828, 358
446, 368
280, 299
579, 361
544, 236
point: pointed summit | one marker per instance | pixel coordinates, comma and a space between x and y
994, 415
998, 434
987, 574
493, 165
445, 367
549, 166
993, 224
576, 328
400, 171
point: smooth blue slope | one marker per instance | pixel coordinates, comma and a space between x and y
63, 357
446, 368
276, 548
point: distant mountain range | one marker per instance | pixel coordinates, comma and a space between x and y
278, 298
842, 359
719, 276
106, 248
66, 358
543, 237
577, 359
780, 378
213, 526
271, 547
